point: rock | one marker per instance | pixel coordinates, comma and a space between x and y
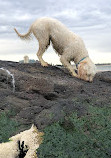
105, 77
44, 95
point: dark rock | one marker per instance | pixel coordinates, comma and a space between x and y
44, 95
105, 77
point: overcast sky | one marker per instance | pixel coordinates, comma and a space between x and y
89, 19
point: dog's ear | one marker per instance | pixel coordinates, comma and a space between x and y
81, 69
34, 127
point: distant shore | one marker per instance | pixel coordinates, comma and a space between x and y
104, 64
103, 67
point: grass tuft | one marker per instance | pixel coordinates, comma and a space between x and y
7, 126
90, 136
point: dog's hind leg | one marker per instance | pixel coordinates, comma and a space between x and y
42, 48
40, 54
67, 64
44, 41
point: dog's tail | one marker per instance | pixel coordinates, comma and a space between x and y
26, 36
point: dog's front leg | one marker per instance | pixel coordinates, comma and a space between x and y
67, 64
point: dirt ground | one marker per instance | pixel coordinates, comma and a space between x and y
44, 95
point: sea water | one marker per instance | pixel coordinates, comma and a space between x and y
103, 67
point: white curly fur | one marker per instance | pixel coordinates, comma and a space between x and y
32, 139
67, 44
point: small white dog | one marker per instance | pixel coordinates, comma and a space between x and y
22, 145
67, 44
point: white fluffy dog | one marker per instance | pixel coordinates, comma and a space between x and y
67, 44
22, 145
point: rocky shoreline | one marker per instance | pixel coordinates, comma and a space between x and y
44, 95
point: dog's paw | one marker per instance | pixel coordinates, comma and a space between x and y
74, 74
44, 64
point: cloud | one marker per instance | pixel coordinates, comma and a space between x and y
73, 13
